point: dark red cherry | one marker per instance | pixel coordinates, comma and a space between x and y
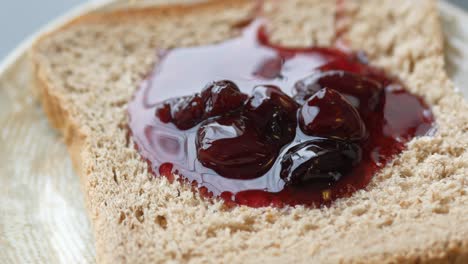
187, 112
273, 113
221, 97
320, 161
328, 114
217, 98
363, 93
164, 112
231, 146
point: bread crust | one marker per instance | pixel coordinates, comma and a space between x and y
111, 215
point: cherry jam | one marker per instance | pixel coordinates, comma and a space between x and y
259, 124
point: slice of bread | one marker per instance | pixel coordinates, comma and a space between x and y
414, 210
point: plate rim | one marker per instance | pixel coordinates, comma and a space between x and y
22, 48
452, 8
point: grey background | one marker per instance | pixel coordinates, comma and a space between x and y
20, 18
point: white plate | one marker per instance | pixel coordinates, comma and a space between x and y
42, 216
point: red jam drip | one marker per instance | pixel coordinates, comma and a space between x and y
380, 117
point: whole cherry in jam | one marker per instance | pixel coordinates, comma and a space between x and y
231, 146
185, 112
328, 114
363, 93
216, 98
188, 111
319, 161
273, 113
222, 97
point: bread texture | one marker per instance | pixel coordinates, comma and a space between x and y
414, 210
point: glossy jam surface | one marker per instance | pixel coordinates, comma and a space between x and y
258, 124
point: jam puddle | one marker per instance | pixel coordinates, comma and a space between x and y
392, 116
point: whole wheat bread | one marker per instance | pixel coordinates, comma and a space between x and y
414, 210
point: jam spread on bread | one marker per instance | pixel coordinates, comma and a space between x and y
259, 124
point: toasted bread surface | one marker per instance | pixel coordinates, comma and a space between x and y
414, 210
